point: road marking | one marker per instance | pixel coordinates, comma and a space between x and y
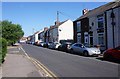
40, 66
14, 51
49, 73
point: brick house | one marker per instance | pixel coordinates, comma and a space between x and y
96, 26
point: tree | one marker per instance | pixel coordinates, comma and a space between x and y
11, 32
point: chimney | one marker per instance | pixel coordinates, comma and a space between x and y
46, 28
57, 23
85, 11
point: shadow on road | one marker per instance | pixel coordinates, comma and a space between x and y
113, 61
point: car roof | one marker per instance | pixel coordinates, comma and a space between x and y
78, 43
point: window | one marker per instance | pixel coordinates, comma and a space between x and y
100, 23
76, 45
91, 39
101, 39
78, 26
80, 45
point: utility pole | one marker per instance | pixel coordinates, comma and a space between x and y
57, 16
33, 30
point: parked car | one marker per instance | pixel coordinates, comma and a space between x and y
54, 45
50, 45
41, 44
112, 54
81, 49
65, 47
45, 45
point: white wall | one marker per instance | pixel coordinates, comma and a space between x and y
36, 37
66, 30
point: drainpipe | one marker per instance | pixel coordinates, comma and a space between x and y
106, 43
113, 24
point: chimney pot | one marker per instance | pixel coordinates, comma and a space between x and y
85, 11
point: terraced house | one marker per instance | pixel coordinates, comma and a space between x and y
60, 31
99, 26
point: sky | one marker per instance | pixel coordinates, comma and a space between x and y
37, 15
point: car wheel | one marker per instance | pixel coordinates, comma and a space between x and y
71, 51
86, 53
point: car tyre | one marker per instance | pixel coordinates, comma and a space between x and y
86, 53
71, 51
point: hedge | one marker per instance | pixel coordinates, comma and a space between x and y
3, 49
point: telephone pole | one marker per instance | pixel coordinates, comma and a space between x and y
33, 30
57, 16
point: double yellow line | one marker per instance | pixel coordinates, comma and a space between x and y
45, 71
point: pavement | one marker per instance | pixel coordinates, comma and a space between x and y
18, 65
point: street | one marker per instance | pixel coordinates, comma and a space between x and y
68, 65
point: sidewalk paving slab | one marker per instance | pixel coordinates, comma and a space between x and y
17, 65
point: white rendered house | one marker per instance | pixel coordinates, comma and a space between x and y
61, 31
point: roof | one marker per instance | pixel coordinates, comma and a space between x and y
38, 32
23, 38
100, 9
55, 26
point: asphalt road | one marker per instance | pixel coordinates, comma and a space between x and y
67, 65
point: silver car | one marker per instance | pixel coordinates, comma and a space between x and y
81, 49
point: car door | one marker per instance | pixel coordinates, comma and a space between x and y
75, 48
80, 48
117, 52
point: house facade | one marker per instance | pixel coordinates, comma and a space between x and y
113, 27
61, 31
36, 37
81, 29
96, 27
29, 39
51, 31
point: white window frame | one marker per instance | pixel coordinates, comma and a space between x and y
101, 35
100, 19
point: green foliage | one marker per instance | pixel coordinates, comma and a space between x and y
11, 32
3, 49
